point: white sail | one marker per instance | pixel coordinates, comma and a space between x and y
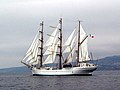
69, 40
82, 33
51, 37
71, 56
51, 45
51, 40
31, 55
35, 54
32, 45
67, 45
51, 51
83, 50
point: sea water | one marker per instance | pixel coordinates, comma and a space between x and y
100, 80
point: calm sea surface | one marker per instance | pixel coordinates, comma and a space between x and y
101, 80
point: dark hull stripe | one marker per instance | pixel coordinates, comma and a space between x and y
64, 75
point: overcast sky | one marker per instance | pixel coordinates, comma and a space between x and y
19, 22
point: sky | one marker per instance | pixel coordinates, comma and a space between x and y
19, 22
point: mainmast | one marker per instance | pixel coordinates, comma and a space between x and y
41, 45
60, 46
78, 42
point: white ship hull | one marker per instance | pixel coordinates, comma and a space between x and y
81, 70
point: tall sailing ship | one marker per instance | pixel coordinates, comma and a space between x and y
53, 57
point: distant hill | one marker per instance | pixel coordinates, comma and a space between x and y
107, 63
15, 70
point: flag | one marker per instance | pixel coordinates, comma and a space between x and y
92, 36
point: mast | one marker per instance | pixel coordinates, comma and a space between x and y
41, 46
78, 42
60, 46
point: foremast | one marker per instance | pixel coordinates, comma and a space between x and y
40, 55
60, 44
78, 42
